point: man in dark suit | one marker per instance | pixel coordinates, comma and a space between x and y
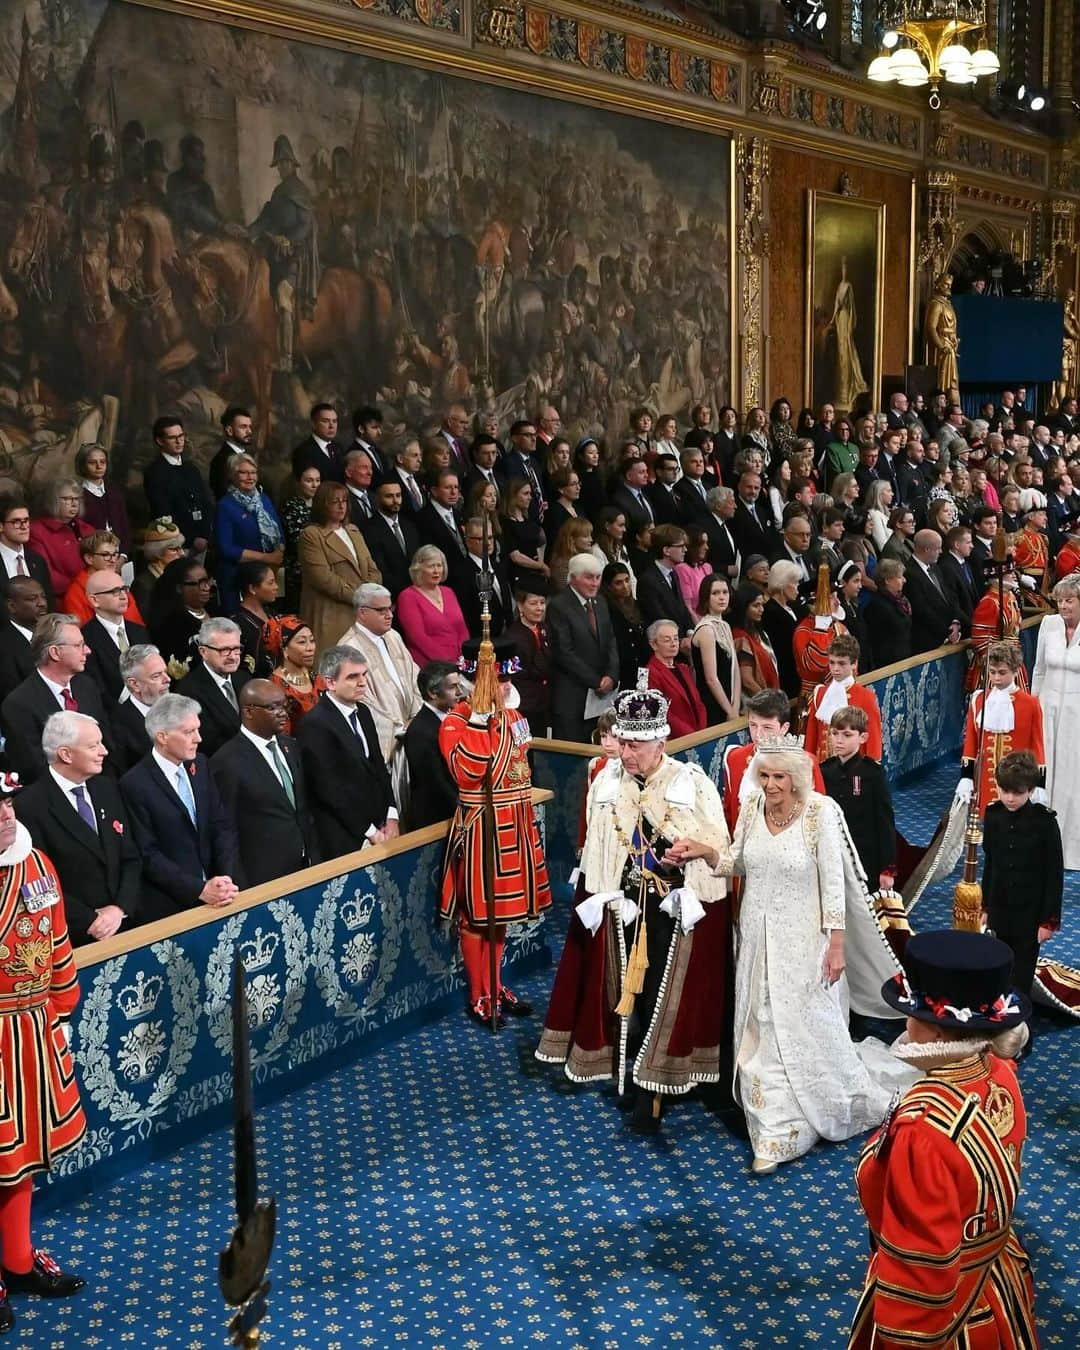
367, 430
433, 794
958, 576
933, 619
896, 417
693, 488
146, 679
348, 782
56, 684
174, 486
750, 524
911, 476
658, 594
465, 582
215, 683
584, 653
16, 559
260, 776
239, 429
405, 471
486, 466
455, 427
358, 479
24, 604
321, 451
520, 462
439, 523
78, 818
663, 498
631, 498
717, 523
796, 546
985, 524
109, 634
391, 538
187, 842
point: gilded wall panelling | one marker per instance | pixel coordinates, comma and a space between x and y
751, 204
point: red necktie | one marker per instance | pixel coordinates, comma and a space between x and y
70, 704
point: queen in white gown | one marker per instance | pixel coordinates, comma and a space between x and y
798, 1074
1055, 682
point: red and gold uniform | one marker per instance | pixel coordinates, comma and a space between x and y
816, 740
522, 889
939, 1184
810, 646
1068, 559
1031, 553
1026, 734
989, 624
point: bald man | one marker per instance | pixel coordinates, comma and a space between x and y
108, 634
260, 777
934, 621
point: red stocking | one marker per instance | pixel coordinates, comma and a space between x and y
474, 957
500, 943
15, 1226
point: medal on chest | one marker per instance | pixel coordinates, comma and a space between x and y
38, 894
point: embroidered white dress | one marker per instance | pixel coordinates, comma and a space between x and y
798, 1074
1055, 682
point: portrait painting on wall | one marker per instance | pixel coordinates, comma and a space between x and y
196, 215
845, 274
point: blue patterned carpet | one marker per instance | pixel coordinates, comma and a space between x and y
450, 1191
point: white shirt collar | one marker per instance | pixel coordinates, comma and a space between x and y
166, 766
95, 489
67, 787
143, 708
262, 742
345, 709
111, 626
391, 520
28, 633
175, 460
58, 689
6, 551
357, 492
236, 449
320, 442
442, 716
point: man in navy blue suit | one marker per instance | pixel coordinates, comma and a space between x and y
188, 845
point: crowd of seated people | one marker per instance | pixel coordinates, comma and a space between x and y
288, 657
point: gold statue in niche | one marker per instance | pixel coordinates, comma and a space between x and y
939, 330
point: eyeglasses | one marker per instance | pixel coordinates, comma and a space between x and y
225, 651
80, 643
20, 522
379, 609
278, 707
110, 556
114, 590
179, 436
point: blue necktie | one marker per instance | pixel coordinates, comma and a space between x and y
183, 788
82, 805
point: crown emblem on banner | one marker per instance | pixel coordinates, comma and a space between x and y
141, 998
259, 951
356, 913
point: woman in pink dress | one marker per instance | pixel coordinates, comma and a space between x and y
431, 620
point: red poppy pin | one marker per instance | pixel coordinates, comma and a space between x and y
118, 826
191, 769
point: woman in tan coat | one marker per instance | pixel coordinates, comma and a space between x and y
334, 560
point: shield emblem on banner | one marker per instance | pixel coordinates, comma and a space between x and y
677, 69
588, 34
635, 57
537, 30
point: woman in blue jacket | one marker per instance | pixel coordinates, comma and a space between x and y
246, 529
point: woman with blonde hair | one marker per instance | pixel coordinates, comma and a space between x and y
809, 946
431, 620
575, 536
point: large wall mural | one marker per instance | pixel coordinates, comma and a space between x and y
194, 214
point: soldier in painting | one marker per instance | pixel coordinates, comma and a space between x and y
286, 229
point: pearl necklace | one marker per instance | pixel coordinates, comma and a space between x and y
783, 824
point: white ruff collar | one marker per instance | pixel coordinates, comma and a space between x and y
999, 713
834, 698
21, 847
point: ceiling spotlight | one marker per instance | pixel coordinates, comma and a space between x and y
1037, 102
807, 16
890, 38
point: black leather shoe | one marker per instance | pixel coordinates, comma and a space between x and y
45, 1279
512, 1006
645, 1117
7, 1317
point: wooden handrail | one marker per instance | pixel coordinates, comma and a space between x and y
95, 952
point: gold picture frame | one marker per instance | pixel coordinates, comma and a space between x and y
845, 280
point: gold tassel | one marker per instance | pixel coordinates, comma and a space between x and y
636, 967
967, 905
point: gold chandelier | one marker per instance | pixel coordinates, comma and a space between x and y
923, 46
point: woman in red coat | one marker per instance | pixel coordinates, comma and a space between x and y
56, 532
675, 680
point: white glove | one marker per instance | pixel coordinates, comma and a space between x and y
591, 911
964, 790
684, 905
1027, 582
66, 1028
1040, 796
